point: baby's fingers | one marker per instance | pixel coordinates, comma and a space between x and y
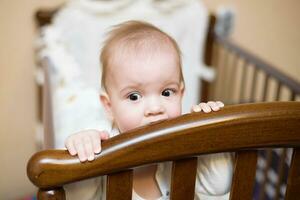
80, 150
96, 140
104, 135
196, 108
213, 105
205, 107
96, 143
71, 148
220, 104
88, 147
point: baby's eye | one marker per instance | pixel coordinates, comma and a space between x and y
134, 96
167, 92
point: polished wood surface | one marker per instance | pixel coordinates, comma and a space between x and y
234, 128
119, 185
293, 184
44, 16
244, 175
52, 194
183, 179
208, 57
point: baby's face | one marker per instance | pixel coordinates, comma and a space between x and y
144, 89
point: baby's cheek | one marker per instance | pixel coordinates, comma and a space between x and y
129, 120
174, 111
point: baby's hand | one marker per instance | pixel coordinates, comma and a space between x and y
85, 144
208, 107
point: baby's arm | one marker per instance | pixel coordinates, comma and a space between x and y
85, 144
208, 107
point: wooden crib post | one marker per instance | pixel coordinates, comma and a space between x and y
208, 57
52, 194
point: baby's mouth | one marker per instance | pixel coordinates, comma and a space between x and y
157, 121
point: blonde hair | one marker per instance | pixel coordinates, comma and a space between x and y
134, 34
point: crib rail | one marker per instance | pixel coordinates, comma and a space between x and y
243, 77
240, 128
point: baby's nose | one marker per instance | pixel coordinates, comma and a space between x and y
154, 108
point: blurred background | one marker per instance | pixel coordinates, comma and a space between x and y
269, 29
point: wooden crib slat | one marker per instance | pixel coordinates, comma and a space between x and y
293, 184
181, 175
243, 80
208, 57
280, 172
53, 194
119, 185
266, 84
293, 96
220, 71
223, 77
215, 62
227, 76
253, 86
231, 78
244, 175
278, 91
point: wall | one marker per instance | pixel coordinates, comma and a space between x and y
17, 94
269, 28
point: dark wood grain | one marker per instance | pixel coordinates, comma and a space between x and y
208, 57
183, 179
293, 184
244, 175
51, 194
44, 16
119, 185
282, 163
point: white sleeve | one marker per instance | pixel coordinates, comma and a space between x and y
90, 189
214, 175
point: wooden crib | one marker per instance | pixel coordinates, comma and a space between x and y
242, 128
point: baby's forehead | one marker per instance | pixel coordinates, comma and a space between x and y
142, 49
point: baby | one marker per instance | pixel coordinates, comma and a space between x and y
142, 82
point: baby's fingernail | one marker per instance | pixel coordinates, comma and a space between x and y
82, 159
97, 150
216, 108
90, 158
206, 110
196, 109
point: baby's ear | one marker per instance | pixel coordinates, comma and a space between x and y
182, 88
104, 99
